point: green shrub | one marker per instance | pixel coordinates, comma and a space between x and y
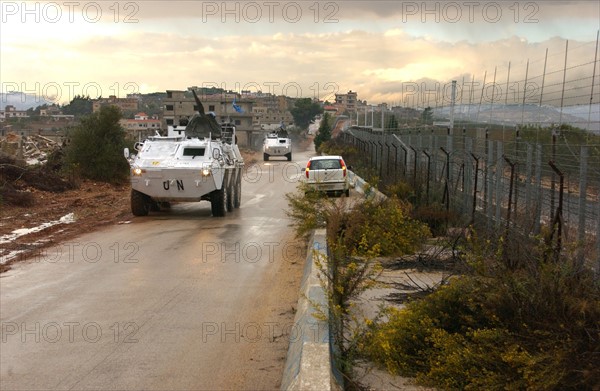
402, 190
324, 133
435, 216
385, 223
96, 147
498, 330
308, 209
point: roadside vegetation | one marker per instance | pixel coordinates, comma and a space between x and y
324, 132
304, 110
513, 314
497, 327
94, 152
357, 235
96, 147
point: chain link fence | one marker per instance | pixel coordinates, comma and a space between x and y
507, 186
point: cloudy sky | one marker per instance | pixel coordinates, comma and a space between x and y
381, 49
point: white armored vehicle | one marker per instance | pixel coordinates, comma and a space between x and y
198, 160
277, 144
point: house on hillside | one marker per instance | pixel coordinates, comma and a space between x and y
11, 112
141, 125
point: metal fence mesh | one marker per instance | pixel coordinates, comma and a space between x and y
506, 186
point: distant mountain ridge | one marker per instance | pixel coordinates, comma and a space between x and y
22, 101
514, 114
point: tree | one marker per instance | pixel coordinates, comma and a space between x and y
427, 115
324, 134
304, 111
78, 106
96, 147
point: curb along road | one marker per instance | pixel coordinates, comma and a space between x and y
309, 360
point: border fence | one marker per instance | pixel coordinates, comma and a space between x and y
504, 186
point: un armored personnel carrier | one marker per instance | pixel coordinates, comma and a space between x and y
197, 160
277, 144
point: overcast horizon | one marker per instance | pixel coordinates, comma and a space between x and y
381, 49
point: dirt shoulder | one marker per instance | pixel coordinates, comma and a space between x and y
27, 229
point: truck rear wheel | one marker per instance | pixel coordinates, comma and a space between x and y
218, 202
237, 198
289, 156
265, 157
139, 203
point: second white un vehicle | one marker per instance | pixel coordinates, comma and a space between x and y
277, 144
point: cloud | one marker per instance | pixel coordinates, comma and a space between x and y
368, 50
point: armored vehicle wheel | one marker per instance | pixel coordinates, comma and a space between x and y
289, 156
237, 191
139, 203
218, 202
154, 206
347, 192
230, 196
265, 157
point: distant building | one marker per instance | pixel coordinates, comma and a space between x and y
271, 110
11, 112
331, 109
348, 100
50, 111
63, 117
265, 116
125, 104
180, 105
141, 125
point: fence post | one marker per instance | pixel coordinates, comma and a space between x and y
468, 183
446, 196
558, 218
395, 162
388, 159
499, 182
450, 149
414, 166
434, 162
539, 194
598, 237
474, 206
528, 183
553, 179
405, 161
488, 185
380, 160
582, 204
510, 192
373, 149
428, 175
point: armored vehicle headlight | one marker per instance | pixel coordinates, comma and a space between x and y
206, 171
137, 171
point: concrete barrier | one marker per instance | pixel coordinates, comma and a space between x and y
309, 364
362, 187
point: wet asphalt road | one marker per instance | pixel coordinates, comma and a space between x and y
177, 300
